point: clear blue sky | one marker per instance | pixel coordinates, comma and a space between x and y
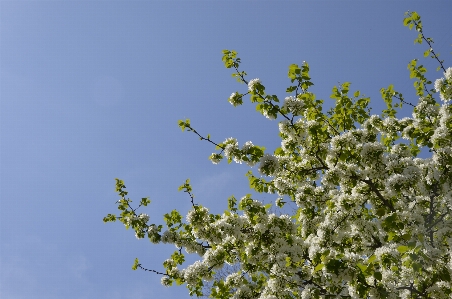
93, 90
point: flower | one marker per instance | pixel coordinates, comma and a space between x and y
269, 164
152, 229
438, 84
444, 86
247, 146
198, 215
280, 202
235, 99
194, 272
144, 217
293, 105
267, 113
448, 73
215, 158
168, 237
166, 281
252, 84
230, 147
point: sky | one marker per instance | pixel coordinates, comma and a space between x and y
91, 91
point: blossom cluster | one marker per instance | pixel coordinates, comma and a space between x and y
235, 99
371, 211
293, 105
372, 219
444, 85
253, 84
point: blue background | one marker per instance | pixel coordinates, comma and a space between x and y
93, 90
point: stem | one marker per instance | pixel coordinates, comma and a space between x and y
430, 45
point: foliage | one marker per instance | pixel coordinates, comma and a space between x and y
372, 219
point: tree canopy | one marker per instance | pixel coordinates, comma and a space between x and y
372, 217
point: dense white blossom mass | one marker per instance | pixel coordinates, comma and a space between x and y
372, 219
252, 84
371, 215
444, 85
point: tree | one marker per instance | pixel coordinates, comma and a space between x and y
372, 219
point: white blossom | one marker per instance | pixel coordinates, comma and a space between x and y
215, 158
269, 164
152, 229
448, 73
367, 211
439, 84
144, 217
235, 99
293, 105
165, 281
252, 83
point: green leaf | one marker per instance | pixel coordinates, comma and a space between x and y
444, 274
184, 124
406, 21
345, 87
291, 89
362, 267
380, 212
279, 151
391, 236
288, 261
232, 203
402, 248
318, 267
417, 267
110, 218
406, 236
186, 186
179, 281
178, 257
145, 201
135, 264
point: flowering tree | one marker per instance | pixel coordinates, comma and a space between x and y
373, 220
